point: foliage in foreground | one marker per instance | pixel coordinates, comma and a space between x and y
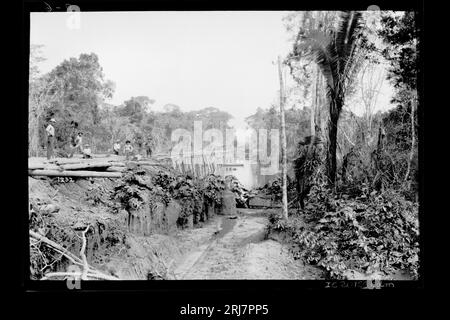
138, 189
241, 194
372, 232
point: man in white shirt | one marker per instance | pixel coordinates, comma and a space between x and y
116, 147
50, 130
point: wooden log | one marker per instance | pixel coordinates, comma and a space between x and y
116, 169
90, 160
35, 166
50, 166
117, 164
147, 163
73, 161
94, 164
83, 174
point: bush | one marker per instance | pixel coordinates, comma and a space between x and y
212, 188
242, 195
164, 187
375, 231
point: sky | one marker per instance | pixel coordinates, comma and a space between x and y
191, 59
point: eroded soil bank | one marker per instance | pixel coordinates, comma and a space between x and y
122, 244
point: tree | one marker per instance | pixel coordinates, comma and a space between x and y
78, 88
40, 98
134, 109
336, 54
302, 67
36, 57
401, 34
211, 117
145, 102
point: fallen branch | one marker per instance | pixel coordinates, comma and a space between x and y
56, 246
83, 255
78, 275
91, 272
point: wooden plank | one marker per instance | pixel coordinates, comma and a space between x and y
90, 160
117, 164
43, 167
116, 169
35, 166
77, 166
147, 163
84, 174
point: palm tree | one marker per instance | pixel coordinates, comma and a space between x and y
336, 54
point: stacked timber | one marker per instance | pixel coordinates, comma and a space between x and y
106, 167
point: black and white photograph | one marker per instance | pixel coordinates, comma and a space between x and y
223, 145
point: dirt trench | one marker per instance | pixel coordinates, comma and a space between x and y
237, 247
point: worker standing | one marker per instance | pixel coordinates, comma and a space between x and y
116, 147
128, 149
139, 142
50, 130
148, 147
76, 144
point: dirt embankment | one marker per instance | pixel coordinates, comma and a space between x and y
128, 245
148, 244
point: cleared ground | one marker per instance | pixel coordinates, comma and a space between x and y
237, 247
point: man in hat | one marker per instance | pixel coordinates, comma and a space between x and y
128, 149
50, 130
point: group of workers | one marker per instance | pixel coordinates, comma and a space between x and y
128, 149
77, 145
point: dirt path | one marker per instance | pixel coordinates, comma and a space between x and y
238, 249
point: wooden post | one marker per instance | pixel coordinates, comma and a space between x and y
413, 140
283, 143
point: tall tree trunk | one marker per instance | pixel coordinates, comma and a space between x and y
318, 112
315, 93
283, 143
332, 141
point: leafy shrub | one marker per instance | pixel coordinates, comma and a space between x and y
375, 231
277, 222
213, 186
192, 193
242, 195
